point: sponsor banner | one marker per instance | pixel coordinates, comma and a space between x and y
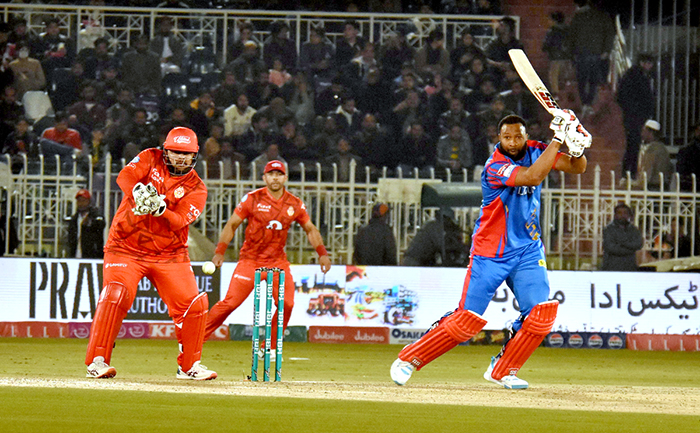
405, 335
128, 330
294, 334
349, 334
586, 340
220, 334
34, 329
162, 331
407, 297
672, 342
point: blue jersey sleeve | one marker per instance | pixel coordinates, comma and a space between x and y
501, 173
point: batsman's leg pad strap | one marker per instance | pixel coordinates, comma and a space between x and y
192, 331
535, 327
451, 330
112, 307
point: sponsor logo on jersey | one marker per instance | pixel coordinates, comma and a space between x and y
274, 225
135, 160
179, 192
244, 198
156, 176
542, 263
506, 170
263, 207
181, 139
115, 265
242, 277
290, 211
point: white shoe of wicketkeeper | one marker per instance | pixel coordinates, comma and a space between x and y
197, 372
508, 382
401, 371
99, 369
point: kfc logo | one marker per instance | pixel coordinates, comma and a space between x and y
182, 139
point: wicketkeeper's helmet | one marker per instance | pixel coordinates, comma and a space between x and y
181, 139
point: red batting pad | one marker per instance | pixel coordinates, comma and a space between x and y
111, 310
192, 332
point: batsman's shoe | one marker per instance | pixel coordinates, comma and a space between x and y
197, 372
401, 371
99, 369
508, 382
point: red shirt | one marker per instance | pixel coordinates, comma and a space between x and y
156, 239
268, 223
69, 137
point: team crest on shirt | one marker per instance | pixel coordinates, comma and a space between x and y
290, 211
179, 192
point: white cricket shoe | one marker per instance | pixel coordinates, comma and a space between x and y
508, 382
401, 371
197, 372
99, 369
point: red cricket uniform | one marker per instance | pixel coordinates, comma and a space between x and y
69, 137
265, 238
154, 247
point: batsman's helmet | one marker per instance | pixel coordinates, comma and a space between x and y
181, 140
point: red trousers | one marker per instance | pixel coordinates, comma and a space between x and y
239, 289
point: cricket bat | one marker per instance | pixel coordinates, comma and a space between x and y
532, 80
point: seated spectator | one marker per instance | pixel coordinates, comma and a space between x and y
406, 111
248, 66
96, 147
201, 113
261, 92
85, 229
485, 144
347, 117
463, 54
237, 45
299, 97
88, 112
271, 153
470, 79
21, 35
121, 112
237, 118
342, 158
60, 133
395, 53
481, 98
96, 59
316, 55
10, 111
349, 47
255, 139
440, 92
219, 149
277, 112
375, 244
433, 58
455, 150
417, 148
301, 151
28, 73
688, 161
65, 85
109, 85
356, 71
621, 241
141, 68
409, 82
374, 95
20, 142
493, 113
373, 144
54, 49
278, 74
654, 160
135, 137
279, 46
457, 115
329, 98
226, 93
326, 139
520, 101
167, 46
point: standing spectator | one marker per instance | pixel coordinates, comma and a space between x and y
55, 49
433, 58
590, 39
237, 117
6, 53
141, 68
28, 73
278, 46
148, 238
497, 50
621, 241
554, 47
85, 229
349, 47
168, 47
317, 55
654, 159
237, 46
688, 161
375, 244
636, 98
455, 150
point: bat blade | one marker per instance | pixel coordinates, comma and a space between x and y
532, 80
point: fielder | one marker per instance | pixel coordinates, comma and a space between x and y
506, 246
270, 212
148, 238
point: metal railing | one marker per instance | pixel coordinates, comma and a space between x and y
572, 218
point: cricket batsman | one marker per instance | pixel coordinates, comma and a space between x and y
163, 195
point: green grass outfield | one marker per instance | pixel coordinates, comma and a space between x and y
344, 388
